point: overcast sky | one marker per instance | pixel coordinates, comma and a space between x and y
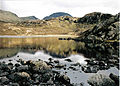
42, 8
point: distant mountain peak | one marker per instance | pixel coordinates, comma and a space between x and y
29, 18
57, 14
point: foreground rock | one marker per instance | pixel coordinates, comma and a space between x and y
31, 73
38, 66
101, 80
115, 78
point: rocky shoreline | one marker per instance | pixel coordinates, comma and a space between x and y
30, 73
44, 73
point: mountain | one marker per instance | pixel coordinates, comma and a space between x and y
7, 16
29, 18
94, 17
57, 25
57, 14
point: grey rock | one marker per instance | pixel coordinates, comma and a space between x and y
63, 78
4, 80
14, 84
4, 74
114, 78
101, 80
22, 68
39, 66
19, 76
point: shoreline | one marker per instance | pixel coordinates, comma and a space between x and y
29, 36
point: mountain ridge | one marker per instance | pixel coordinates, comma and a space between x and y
28, 18
57, 14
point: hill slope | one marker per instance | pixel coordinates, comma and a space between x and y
7, 16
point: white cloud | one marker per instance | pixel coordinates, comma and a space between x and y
42, 8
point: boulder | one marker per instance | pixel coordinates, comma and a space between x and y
100, 80
19, 76
14, 84
4, 80
39, 66
22, 68
114, 78
63, 78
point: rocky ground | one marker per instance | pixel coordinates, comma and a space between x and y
31, 73
44, 73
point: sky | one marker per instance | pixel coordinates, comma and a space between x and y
42, 8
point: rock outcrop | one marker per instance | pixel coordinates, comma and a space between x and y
94, 17
107, 30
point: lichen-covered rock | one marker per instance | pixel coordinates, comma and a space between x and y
101, 80
39, 66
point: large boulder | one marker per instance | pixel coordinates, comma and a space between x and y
63, 78
39, 66
19, 76
101, 80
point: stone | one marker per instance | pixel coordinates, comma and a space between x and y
4, 80
10, 65
90, 69
50, 59
73, 68
114, 78
14, 84
56, 61
100, 80
4, 74
22, 68
4, 67
19, 76
59, 66
17, 65
63, 78
39, 66
69, 60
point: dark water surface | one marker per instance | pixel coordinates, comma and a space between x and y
50, 47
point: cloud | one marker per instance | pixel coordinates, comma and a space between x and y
80, 3
42, 8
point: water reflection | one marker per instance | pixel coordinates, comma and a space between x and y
103, 56
52, 46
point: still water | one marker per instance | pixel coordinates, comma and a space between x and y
34, 48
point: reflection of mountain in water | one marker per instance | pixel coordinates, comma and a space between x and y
58, 48
53, 46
